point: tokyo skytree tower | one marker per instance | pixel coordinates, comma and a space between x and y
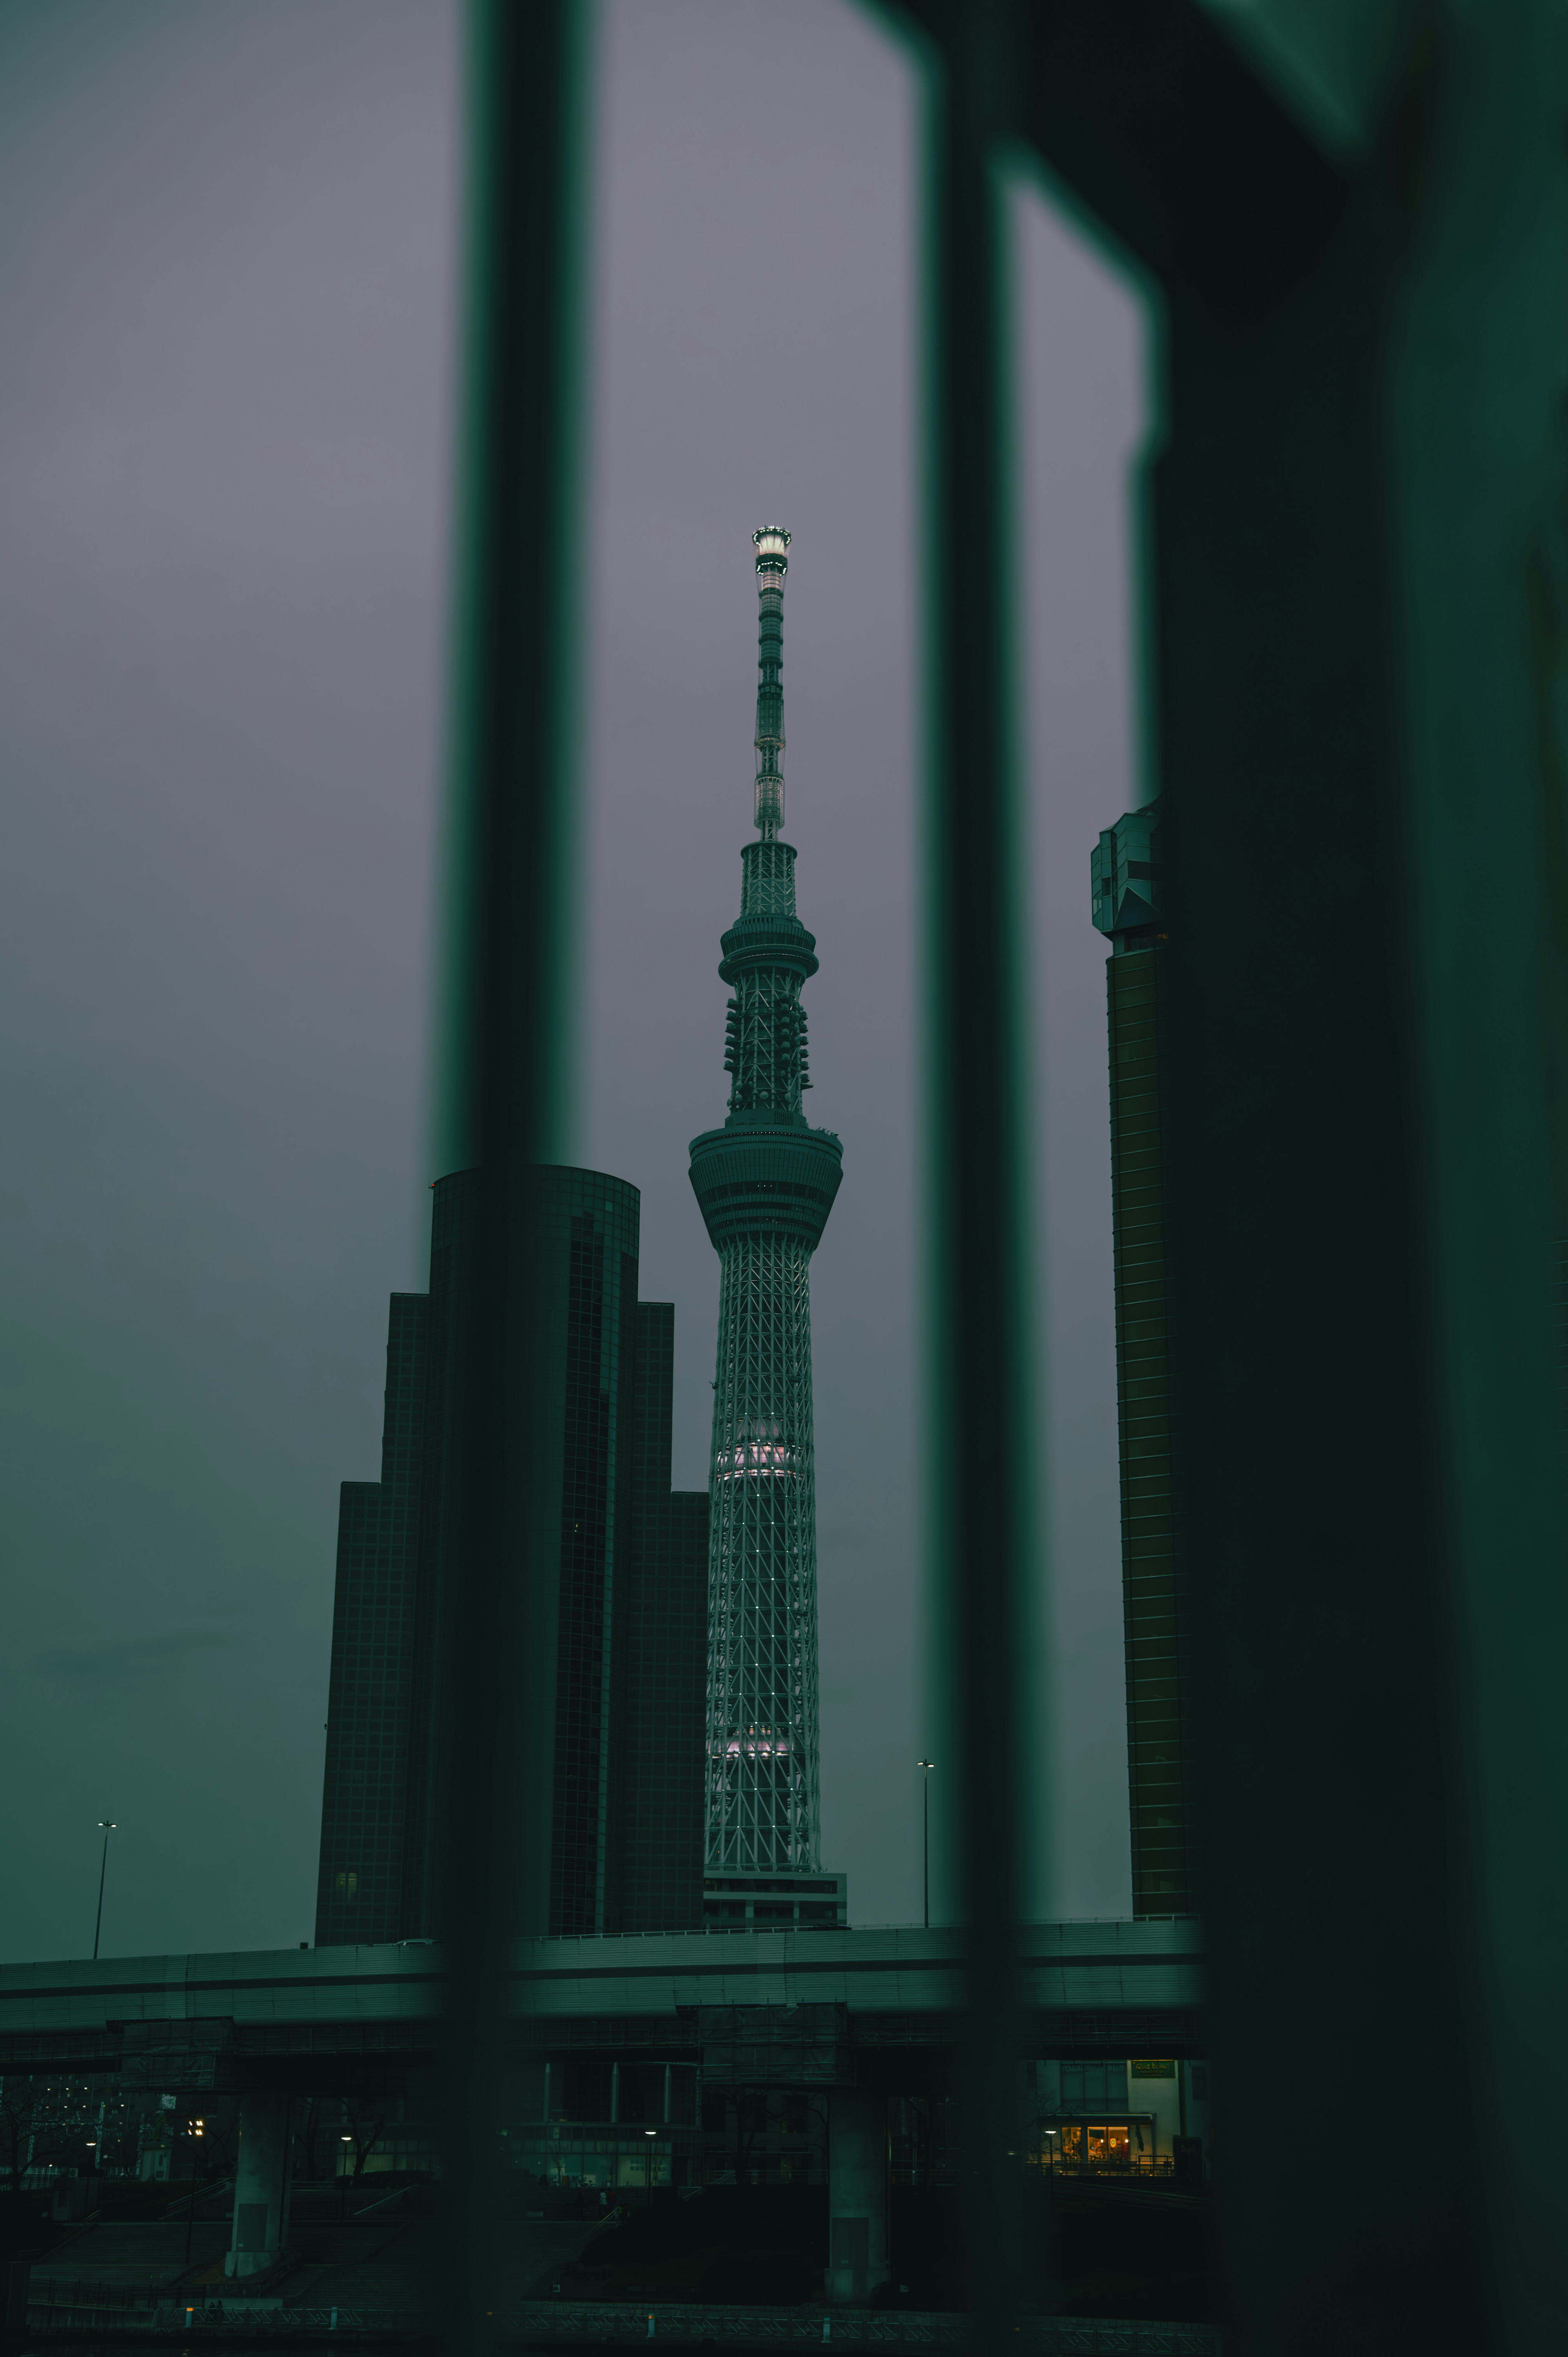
766, 1183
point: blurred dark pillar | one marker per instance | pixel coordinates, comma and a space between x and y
1361, 568
981, 1540
513, 670
1338, 1892
1474, 423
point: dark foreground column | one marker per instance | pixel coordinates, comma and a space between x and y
261, 2182
857, 2192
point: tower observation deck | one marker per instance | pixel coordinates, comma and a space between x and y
764, 1183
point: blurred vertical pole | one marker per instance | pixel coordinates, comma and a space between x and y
513, 711
1476, 420
1360, 557
980, 1389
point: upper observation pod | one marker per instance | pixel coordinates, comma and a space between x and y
772, 546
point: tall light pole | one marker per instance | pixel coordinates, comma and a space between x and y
925, 1767
105, 1826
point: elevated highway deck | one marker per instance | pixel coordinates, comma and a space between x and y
214, 2020
659, 2029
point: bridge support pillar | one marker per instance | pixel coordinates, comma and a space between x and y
260, 2185
857, 2192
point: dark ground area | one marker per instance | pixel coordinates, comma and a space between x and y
1106, 2248
730, 2245
1112, 2249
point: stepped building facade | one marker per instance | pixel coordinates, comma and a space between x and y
626, 1797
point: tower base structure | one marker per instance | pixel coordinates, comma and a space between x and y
769, 1900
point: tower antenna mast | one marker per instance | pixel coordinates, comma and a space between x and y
772, 546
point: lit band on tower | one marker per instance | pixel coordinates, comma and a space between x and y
766, 1183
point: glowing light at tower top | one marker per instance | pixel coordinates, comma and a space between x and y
772, 546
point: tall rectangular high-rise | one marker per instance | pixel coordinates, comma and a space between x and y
1126, 879
592, 1223
624, 1627
661, 1702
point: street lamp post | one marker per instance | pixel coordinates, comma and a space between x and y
925, 1767
105, 1826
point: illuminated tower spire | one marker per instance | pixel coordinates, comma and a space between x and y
766, 1183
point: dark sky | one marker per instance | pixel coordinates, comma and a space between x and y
226, 272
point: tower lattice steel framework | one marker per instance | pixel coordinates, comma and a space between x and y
766, 1183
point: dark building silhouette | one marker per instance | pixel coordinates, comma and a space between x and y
592, 1223
364, 1824
663, 1658
1129, 906
626, 1797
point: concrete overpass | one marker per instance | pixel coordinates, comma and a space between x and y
864, 2015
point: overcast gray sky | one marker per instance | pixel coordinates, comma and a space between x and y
226, 272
